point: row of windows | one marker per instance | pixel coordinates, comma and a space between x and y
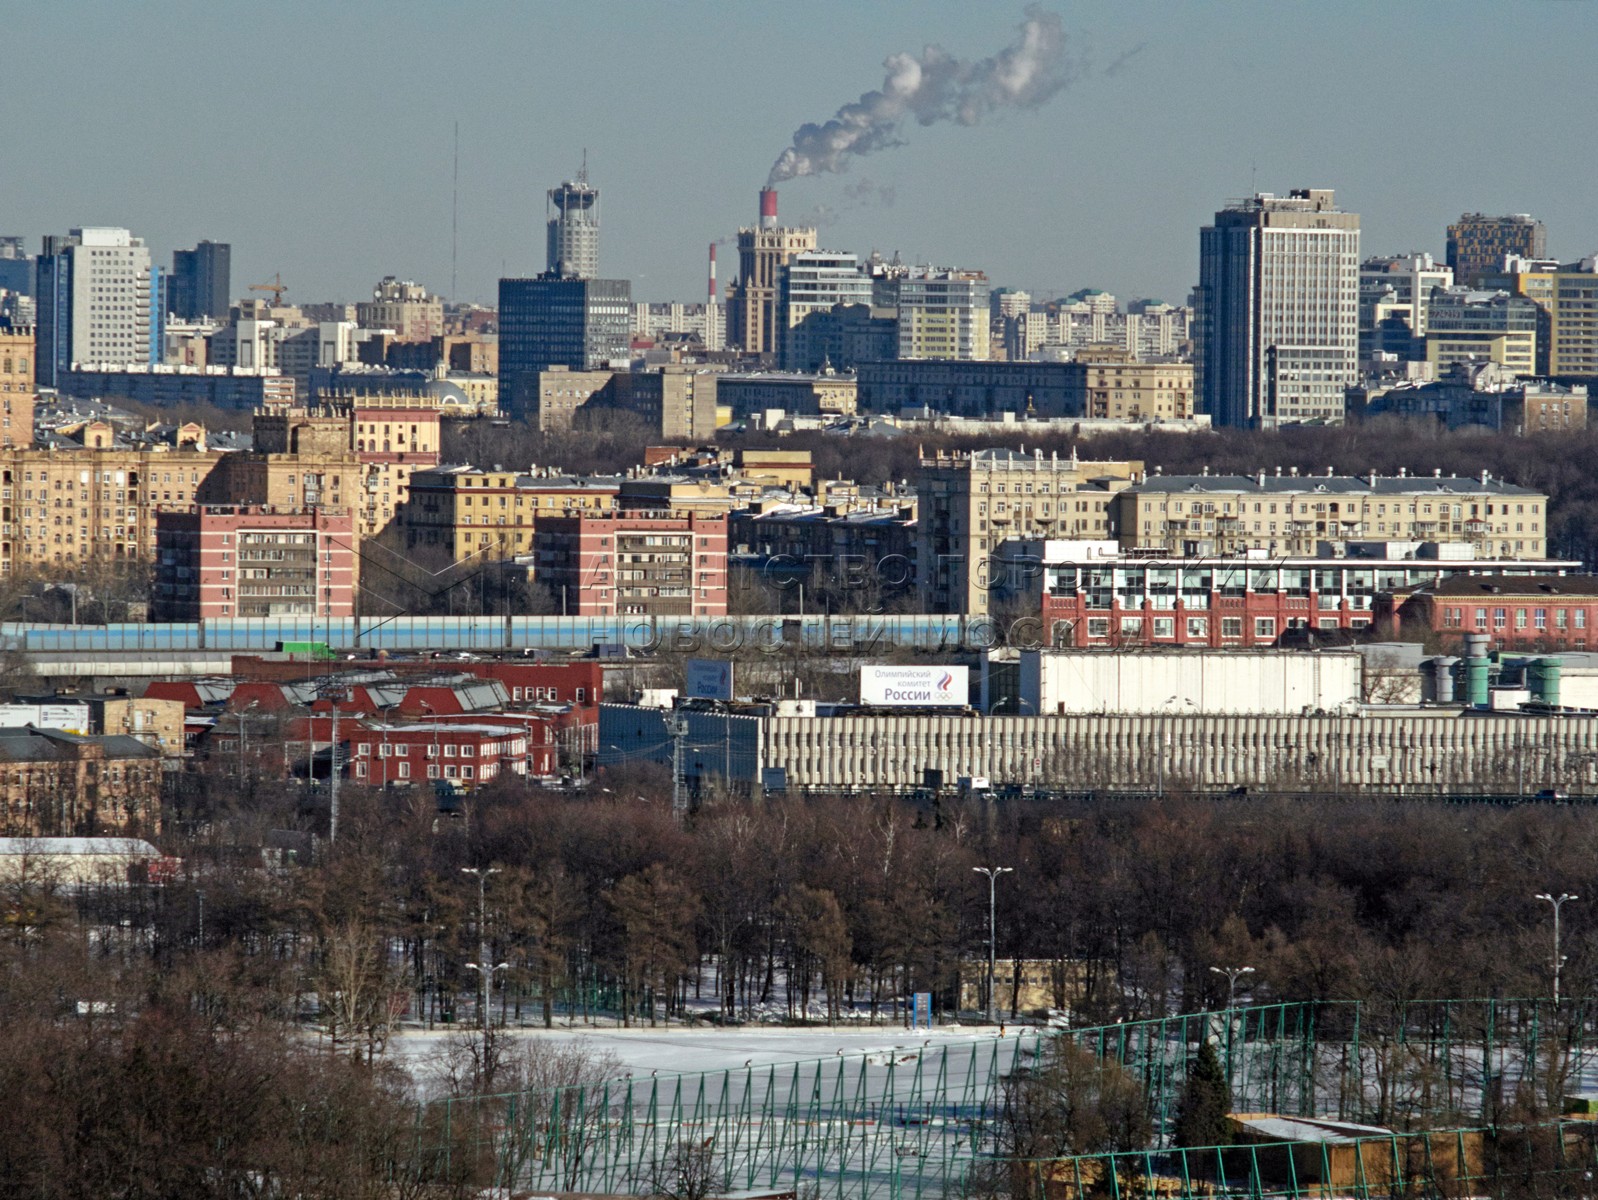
1455, 618
1305, 507
1199, 627
450, 772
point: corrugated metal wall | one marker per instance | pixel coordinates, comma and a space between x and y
1444, 750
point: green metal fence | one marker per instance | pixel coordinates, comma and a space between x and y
1553, 1158
911, 1121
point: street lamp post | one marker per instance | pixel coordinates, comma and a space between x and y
993, 874
482, 966
1164, 748
1558, 902
1232, 975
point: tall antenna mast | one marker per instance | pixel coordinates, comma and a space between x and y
455, 220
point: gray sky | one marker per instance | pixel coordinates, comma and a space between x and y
316, 136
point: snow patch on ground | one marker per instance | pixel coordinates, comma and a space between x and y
676, 1050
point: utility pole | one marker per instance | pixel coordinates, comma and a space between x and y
679, 798
484, 970
993, 874
332, 782
1558, 902
333, 692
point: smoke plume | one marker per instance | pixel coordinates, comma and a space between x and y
934, 87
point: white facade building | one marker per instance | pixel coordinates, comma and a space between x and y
1188, 682
97, 302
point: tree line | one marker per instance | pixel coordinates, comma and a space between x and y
229, 1022
603, 900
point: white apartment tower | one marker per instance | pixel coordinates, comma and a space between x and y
98, 302
1277, 320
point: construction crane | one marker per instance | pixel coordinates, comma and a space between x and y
277, 287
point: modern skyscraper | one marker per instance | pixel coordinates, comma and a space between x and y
99, 302
1277, 325
573, 241
202, 282
762, 252
1477, 244
550, 321
813, 282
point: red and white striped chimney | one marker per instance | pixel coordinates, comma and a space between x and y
712, 272
768, 208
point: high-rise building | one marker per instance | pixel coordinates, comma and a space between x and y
813, 282
1478, 244
99, 302
201, 284
550, 321
1567, 296
1395, 295
1473, 326
943, 314
1155, 329
762, 253
1277, 326
573, 230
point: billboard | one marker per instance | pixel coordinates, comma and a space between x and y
915, 687
708, 679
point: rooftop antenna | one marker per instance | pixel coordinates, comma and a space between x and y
582, 173
1254, 177
455, 219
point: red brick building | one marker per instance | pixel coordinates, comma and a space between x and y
636, 564
466, 752
1517, 612
576, 686
253, 561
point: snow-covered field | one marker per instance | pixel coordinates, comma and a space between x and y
678, 1050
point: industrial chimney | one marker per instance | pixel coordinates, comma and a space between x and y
768, 208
